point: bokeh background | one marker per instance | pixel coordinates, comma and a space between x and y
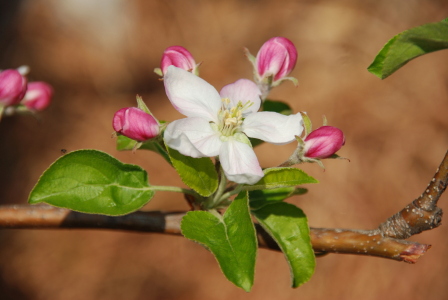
99, 54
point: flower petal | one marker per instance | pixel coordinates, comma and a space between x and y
193, 137
239, 162
243, 90
191, 95
273, 127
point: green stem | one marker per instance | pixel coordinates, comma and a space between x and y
213, 202
172, 189
238, 189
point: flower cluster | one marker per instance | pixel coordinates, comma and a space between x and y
17, 94
220, 124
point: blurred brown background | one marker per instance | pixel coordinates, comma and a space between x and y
99, 54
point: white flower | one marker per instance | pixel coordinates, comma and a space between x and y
219, 124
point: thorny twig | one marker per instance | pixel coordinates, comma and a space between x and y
387, 241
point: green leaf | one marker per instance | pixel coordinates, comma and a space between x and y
408, 45
259, 198
125, 143
288, 226
281, 177
94, 182
231, 238
277, 106
198, 173
255, 142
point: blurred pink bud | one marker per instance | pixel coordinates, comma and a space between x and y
38, 95
323, 142
135, 124
12, 87
179, 57
276, 57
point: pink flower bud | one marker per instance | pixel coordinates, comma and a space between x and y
276, 57
12, 87
38, 95
135, 124
323, 142
179, 57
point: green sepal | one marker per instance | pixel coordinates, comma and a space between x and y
93, 182
249, 56
408, 45
292, 79
142, 106
231, 238
158, 71
324, 120
307, 125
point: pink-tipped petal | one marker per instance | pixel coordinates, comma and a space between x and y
276, 57
243, 90
324, 142
12, 87
179, 57
135, 124
38, 96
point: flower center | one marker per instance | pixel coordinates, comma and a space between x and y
231, 118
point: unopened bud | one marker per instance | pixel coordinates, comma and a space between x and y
179, 57
38, 96
12, 87
135, 124
277, 57
323, 142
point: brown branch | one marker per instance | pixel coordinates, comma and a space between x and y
45, 216
422, 213
387, 241
323, 240
370, 243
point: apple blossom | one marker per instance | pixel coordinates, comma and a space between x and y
277, 57
38, 95
135, 124
219, 124
12, 87
179, 57
323, 142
